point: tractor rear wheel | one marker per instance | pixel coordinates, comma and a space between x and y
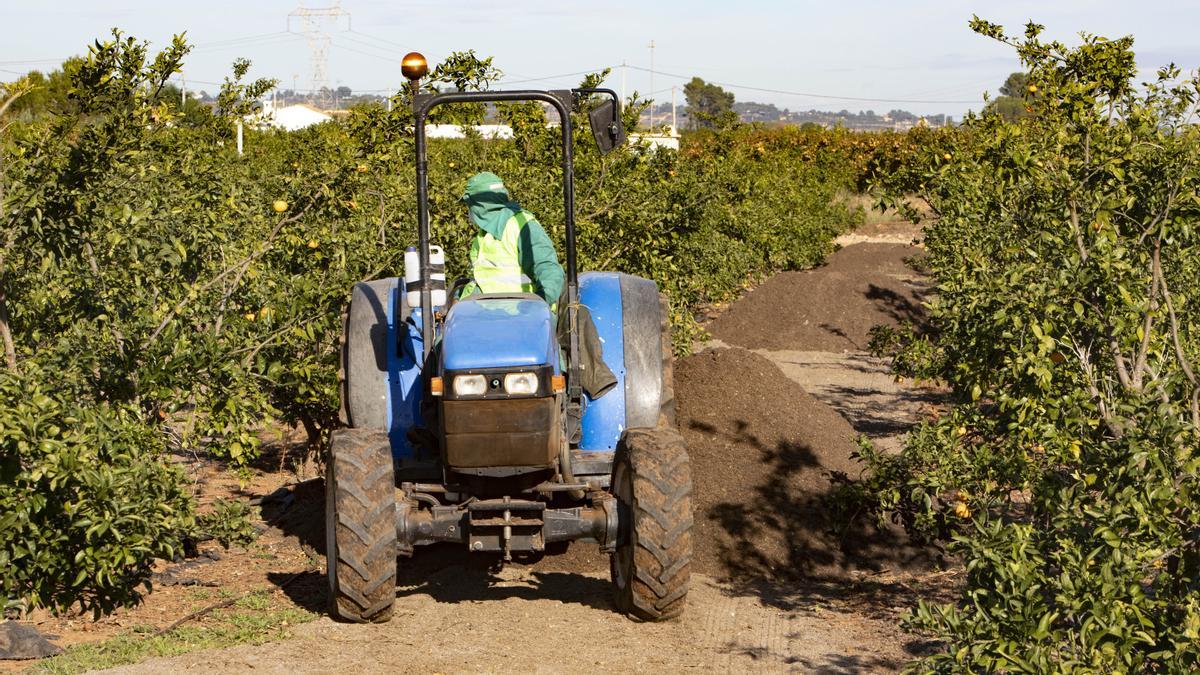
652, 482
360, 526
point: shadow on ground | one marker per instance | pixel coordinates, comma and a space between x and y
786, 521
445, 572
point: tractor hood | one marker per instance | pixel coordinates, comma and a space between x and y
487, 332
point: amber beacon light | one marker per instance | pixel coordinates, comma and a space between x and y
414, 66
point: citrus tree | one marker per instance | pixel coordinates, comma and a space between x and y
161, 292
1064, 247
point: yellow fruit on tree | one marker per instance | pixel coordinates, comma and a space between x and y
946, 156
280, 206
249, 316
313, 243
362, 168
961, 431
962, 510
1033, 88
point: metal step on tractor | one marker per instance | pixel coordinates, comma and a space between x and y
466, 420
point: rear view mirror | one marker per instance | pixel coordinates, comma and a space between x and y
605, 120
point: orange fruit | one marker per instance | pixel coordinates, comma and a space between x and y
280, 206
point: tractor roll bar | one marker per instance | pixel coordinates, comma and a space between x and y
562, 101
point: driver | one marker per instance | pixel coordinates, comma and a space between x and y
511, 252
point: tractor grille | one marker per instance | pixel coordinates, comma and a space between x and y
501, 433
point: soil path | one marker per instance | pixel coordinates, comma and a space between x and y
770, 411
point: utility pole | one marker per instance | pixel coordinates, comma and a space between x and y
314, 21
674, 125
622, 83
651, 92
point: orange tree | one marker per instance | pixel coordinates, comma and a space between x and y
1065, 254
160, 291
93, 259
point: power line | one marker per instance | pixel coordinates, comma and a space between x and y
26, 61
349, 35
403, 48
279, 39
390, 59
247, 38
264, 39
806, 94
554, 77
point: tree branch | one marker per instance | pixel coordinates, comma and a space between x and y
240, 265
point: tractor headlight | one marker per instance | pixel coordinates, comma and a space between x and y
521, 384
470, 385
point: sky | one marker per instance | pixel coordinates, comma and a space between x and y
917, 55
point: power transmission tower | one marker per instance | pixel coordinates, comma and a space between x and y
313, 21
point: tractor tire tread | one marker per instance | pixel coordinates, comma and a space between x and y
662, 521
360, 463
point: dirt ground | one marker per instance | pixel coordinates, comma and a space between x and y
770, 410
831, 308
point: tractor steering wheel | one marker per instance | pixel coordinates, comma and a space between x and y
452, 292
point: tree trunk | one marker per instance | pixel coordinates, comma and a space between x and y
10, 349
313, 430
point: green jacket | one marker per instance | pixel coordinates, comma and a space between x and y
509, 239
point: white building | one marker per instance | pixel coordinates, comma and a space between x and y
488, 131
290, 117
668, 138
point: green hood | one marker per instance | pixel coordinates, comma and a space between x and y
488, 203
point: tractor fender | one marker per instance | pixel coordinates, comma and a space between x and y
381, 362
627, 314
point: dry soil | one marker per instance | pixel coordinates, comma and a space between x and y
780, 582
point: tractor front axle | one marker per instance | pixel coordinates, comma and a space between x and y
505, 525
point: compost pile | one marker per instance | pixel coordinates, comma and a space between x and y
831, 308
763, 452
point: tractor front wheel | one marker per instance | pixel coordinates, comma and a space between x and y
360, 526
652, 481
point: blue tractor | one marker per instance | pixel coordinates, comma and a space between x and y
466, 421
